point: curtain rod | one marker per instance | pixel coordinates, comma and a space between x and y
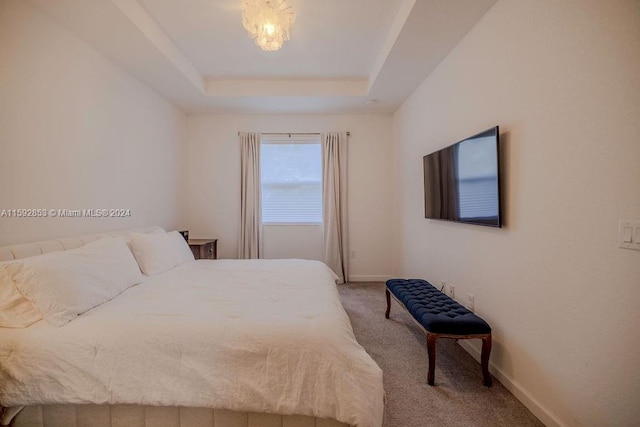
292, 133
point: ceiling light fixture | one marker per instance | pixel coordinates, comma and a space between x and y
268, 22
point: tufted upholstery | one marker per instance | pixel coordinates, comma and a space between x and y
24, 250
150, 416
435, 311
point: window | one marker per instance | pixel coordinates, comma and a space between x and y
291, 178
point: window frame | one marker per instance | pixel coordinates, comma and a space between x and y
290, 139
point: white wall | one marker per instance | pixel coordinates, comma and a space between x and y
302, 241
562, 79
78, 132
213, 193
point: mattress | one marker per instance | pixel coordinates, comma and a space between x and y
262, 337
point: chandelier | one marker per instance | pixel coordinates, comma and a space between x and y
268, 22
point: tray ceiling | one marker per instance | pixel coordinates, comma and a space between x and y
341, 54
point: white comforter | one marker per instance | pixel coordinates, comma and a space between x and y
260, 336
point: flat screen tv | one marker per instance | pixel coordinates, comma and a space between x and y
462, 181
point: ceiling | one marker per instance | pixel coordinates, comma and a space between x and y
342, 54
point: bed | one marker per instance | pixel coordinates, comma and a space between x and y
207, 342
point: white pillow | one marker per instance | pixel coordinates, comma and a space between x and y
159, 252
15, 310
62, 285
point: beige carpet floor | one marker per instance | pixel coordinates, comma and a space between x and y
399, 347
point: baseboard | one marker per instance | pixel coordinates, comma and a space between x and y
368, 278
542, 413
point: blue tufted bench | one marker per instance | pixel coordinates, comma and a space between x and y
440, 317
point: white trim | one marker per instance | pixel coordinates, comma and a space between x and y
144, 23
543, 414
302, 224
286, 87
392, 37
369, 278
292, 138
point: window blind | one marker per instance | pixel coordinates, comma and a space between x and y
291, 180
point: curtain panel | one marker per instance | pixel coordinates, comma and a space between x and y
334, 200
250, 198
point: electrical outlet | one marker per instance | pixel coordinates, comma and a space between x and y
353, 254
452, 291
470, 301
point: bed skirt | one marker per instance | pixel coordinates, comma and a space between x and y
156, 416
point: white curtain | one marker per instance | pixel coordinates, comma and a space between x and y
334, 201
250, 209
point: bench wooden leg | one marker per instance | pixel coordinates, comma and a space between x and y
484, 360
431, 351
484, 357
386, 314
431, 348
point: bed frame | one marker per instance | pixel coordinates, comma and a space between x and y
80, 415
156, 416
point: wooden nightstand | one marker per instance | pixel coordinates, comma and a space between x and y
204, 248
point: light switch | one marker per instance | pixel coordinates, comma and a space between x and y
629, 235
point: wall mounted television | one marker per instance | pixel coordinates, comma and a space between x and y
462, 181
